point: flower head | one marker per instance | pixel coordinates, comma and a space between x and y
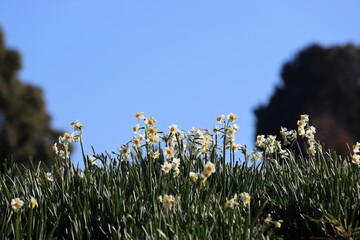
150, 121
169, 152
209, 167
77, 126
220, 119
168, 200
33, 202
193, 176
140, 115
173, 128
231, 117
166, 167
16, 204
245, 198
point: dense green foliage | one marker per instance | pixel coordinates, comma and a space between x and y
323, 82
131, 194
24, 123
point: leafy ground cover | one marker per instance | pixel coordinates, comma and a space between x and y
198, 184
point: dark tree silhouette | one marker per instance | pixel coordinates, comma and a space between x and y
321, 82
24, 124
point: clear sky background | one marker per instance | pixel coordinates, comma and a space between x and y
182, 62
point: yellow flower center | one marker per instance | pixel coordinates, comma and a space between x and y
218, 119
207, 174
67, 136
151, 122
169, 151
247, 199
209, 168
152, 130
232, 117
168, 201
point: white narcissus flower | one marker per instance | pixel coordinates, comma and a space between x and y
235, 146
176, 171
173, 128
66, 138
304, 117
155, 154
245, 198
169, 152
16, 204
136, 129
55, 149
232, 203
209, 167
140, 115
152, 130
150, 121
356, 159
136, 142
231, 117
193, 176
260, 139
77, 126
356, 148
220, 119
124, 153
176, 162
301, 131
33, 202
92, 161
166, 167
152, 139
168, 200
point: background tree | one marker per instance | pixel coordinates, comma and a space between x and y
24, 124
324, 83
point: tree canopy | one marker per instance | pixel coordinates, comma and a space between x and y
324, 83
24, 123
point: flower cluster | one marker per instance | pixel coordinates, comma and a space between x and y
271, 145
268, 220
199, 142
179, 145
17, 203
241, 199
288, 136
307, 131
356, 156
229, 129
174, 165
209, 169
62, 150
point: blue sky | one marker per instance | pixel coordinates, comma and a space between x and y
182, 62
